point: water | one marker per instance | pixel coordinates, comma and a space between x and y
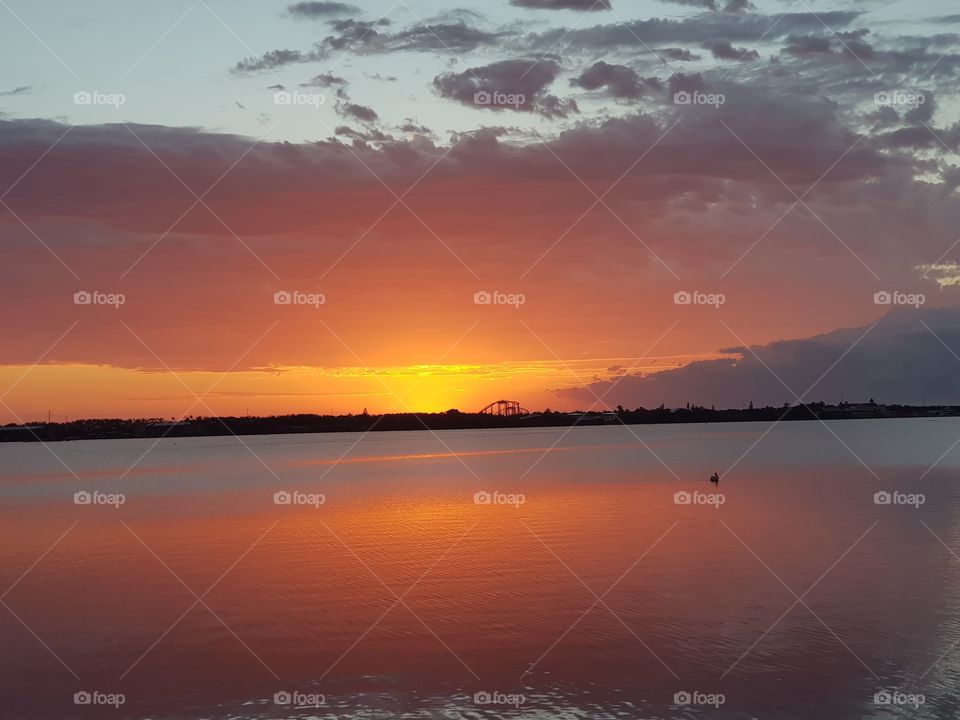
584, 591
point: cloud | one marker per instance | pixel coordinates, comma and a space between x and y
509, 85
808, 45
368, 37
680, 54
899, 361
358, 112
21, 90
325, 80
313, 10
723, 50
731, 6
620, 80
734, 27
270, 61
582, 5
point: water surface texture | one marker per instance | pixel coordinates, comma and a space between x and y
541, 573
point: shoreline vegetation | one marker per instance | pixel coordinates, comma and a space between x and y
103, 429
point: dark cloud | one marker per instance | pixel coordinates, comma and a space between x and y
923, 112
368, 136
582, 5
416, 128
680, 54
898, 361
270, 60
22, 90
734, 27
358, 112
731, 6
723, 50
808, 45
853, 45
364, 37
619, 80
313, 10
450, 36
325, 80
518, 85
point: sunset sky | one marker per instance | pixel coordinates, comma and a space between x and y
188, 166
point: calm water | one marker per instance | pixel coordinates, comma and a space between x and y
585, 590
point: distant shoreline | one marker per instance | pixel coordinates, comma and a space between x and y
105, 429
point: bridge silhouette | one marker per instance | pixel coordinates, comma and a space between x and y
504, 408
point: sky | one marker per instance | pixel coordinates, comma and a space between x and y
212, 207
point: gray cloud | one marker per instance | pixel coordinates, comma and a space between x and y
364, 37
270, 60
898, 361
621, 81
522, 79
723, 50
325, 80
582, 5
358, 112
313, 10
738, 27
731, 6
21, 90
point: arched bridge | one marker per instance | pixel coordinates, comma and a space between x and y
505, 408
